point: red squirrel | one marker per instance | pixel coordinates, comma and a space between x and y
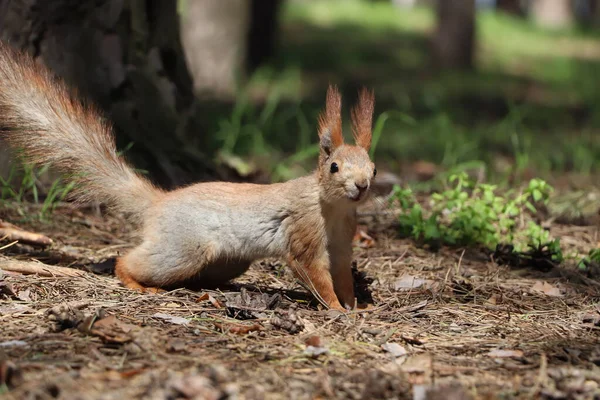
206, 233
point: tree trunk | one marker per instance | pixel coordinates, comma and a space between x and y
126, 56
213, 34
262, 35
552, 13
512, 7
453, 44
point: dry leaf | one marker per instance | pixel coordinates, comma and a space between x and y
205, 296
315, 351
113, 330
24, 295
547, 289
408, 282
314, 341
193, 387
172, 319
497, 353
394, 349
362, 238
417, 364
238, 329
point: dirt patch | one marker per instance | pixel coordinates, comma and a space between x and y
450, 324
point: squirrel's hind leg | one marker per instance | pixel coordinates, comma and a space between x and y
152, 271
122, 272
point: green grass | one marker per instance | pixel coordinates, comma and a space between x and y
23, 183
531, 100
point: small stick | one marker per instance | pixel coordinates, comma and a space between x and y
41, 269
12, 233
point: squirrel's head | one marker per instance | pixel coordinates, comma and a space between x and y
345, 171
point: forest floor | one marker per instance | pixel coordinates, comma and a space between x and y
451, 320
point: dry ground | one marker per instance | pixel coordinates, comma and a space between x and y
452, 320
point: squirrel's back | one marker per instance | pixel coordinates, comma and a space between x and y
41, 116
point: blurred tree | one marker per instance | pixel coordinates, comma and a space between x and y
213, 34
552, 13
454, 40
126, 55
262, 36
513, 7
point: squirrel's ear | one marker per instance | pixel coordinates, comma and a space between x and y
362, 118
330, 122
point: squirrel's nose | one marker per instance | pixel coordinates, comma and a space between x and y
361, 186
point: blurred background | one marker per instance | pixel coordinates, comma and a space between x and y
231, 89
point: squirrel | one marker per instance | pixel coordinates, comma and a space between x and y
205, 233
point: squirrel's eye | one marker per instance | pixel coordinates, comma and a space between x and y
334, 168
375, 172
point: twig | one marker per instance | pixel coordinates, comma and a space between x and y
41, 269
12, 233
541, 379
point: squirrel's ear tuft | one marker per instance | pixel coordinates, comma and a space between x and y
362, 118
330, 122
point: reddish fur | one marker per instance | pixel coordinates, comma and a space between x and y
122, 272
316, 277
52, 126
362, 118
331, 119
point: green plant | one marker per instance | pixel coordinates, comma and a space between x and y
593, 257
27, 188
466, 213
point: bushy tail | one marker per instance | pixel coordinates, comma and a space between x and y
39, 115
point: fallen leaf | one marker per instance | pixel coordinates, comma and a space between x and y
547, 289
408, 282
172, 319
492, 300
112, 330
314, 341
362, 239
238, 329
498, 353
193, 387
24, 295
12, 308
417, 364
314, 346
315, 351
394, 349
205, 296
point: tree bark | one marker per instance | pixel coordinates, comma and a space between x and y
213, 34
126, 56
263, 32
552, 13
454, 40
